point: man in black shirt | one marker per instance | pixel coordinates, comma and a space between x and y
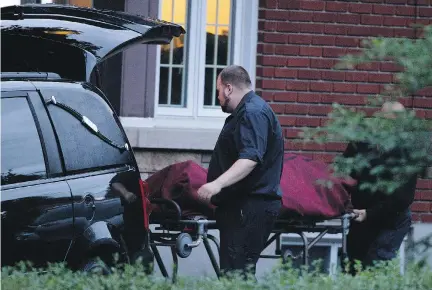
244, 172
383, 219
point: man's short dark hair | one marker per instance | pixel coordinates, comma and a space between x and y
235, 75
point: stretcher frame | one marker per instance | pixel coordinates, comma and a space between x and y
183, 234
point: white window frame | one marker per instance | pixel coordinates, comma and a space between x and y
200, 61
191, 128
245, 24
167, 110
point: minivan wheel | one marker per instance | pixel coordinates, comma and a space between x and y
94, 266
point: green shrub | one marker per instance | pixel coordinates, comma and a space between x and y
385, 276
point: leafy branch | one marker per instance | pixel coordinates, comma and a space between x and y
405, 132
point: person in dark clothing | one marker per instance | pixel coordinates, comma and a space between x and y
383, 219
244, 173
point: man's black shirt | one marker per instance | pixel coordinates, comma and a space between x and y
379, 205
252, 132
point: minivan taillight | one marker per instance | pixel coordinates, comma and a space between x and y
145, 203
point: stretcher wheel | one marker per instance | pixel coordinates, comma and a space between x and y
182, 248
287, 255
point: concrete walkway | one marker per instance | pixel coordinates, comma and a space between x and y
198, 263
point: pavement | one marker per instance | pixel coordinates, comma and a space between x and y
198, 263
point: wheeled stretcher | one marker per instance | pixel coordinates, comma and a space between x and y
183, 234
183, 222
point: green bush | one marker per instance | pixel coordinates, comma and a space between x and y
384, 276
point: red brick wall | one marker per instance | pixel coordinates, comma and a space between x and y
298, 44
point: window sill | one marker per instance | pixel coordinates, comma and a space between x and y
173, 132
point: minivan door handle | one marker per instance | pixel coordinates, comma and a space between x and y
3, 214
89, 203
88, 199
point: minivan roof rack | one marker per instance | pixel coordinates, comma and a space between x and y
30, 76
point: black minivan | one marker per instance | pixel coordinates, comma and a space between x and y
70, 185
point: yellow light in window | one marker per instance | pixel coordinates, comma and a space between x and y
81, 3
224, 12
218, 13
211, 11
180, 11
174, 11
167, 9
61, 32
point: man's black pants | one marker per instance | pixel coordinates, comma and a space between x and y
245, 227
372, 242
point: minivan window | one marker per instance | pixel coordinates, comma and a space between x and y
21, 151
84, 151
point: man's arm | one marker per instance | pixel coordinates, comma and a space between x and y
238, 171
398, 201
404, 196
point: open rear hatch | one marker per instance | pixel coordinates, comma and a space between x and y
71, 41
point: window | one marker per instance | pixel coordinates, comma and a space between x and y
21, 151
172, 65
217, 50
217, 31
82, 150
81, 3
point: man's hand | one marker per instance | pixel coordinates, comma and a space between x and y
121, 190
239, 170
206, 191
361, 215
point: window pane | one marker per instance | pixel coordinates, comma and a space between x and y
84, 151
209, 86
176, 85
224, 13
210, 44
223, 45
217, 45
211, 11
22, 2
166, 9
215, 97
21, 152
172, 63
165, 54
179, 15
163, 85
81, 3
210, 91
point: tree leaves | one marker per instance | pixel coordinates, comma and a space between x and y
406, 132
